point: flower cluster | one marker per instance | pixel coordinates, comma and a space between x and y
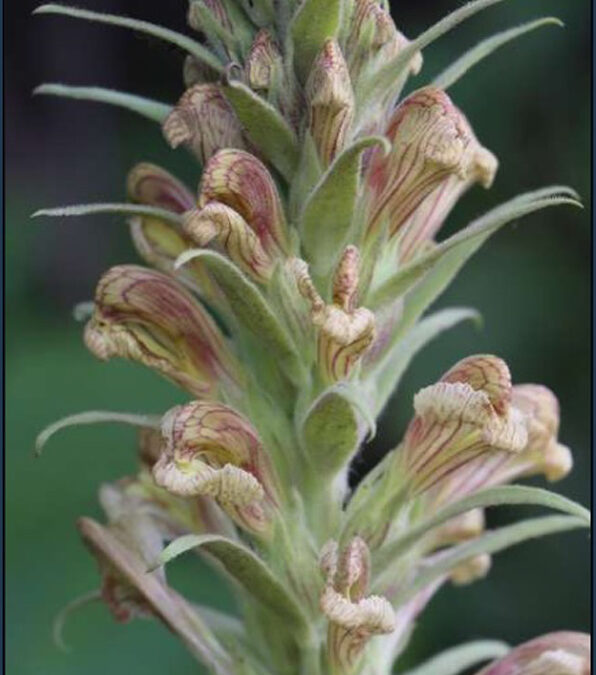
285, 297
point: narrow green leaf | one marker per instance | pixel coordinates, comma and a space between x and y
327, 216
94, 417
387, 373
153, 110
249, 307
485, 48
490, 543
124, 209
265, 127
392, 72
247, 569
314, 22
465, 242
456, 660
261, 12
191, 46
330, 432
495, 496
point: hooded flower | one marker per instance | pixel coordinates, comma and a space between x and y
240, 181
434, 156
344, 331
203, 121
474, 429
353, 616
209, 449
148, 317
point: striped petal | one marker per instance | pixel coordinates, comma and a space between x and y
148, 317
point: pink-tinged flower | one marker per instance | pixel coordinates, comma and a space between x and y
563, 653
373, 38
433, 147
263, 63
158, 241
353, 616
344, 331
148, 317
209, 449
474, 429
330, 101
220, 226
239, 180
204, 121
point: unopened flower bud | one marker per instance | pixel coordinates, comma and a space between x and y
374, 37
148, 317
431, 142
330, 101
209, 449
471, 570
263, 61
353, 617
204, 121
242, 182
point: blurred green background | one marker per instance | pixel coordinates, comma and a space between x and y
529, 104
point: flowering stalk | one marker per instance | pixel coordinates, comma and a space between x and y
287, 296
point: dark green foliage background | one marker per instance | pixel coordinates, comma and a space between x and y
529, 104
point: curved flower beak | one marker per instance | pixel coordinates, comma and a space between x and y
353, 617
563, 653
433, 147
224, 228
204, 122
209, 449
264, 62
344, 331
240, 181
148, 317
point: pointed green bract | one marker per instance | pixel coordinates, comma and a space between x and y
193, 48
326, 222
485, 48
491, 542
246, 569
153, 110
94, 417
265, 127
314, 22
456, 660
123, 209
